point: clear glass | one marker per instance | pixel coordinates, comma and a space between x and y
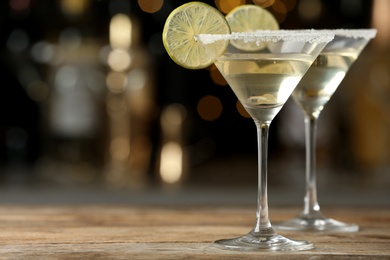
263, 71
311, 95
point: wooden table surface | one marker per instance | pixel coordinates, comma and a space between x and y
173, 232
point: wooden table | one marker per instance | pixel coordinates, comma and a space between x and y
172, 232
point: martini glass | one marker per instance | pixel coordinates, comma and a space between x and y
311, 95
263, 68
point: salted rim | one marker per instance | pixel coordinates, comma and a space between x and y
355, 33
312, 36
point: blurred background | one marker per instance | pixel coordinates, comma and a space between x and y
93, 109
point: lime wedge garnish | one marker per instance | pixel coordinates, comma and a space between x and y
183, 24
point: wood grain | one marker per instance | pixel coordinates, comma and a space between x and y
146, 232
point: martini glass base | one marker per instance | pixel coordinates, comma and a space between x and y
250, 242
307, 223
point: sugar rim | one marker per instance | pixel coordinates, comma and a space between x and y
311, 36
355, 33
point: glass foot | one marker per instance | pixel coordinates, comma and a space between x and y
251, 242
307, 223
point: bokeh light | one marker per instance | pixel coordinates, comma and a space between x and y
119, 60
171, 162
74, 7
116, 82
43, 52
225, 6
38, 91
280, 11
172, 155
150, 6
279, 8
18, 41
120, 31
66, 78
381, 21
216, 76
309, 10
264, 3
136, 79
242, 110
70, 37
209, 108
115, 107
119, 148
172, 119
19, 5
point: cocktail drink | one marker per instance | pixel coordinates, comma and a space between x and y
263, 78
262, 67
311, 95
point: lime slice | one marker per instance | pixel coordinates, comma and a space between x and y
183, 24
250, 18
262, 99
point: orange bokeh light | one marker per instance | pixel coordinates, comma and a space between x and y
150, 6
242, 110
225, 6
209, 108
216, 76
264, 3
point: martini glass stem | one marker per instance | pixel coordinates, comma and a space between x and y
311, 206
263, 224
311, 217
